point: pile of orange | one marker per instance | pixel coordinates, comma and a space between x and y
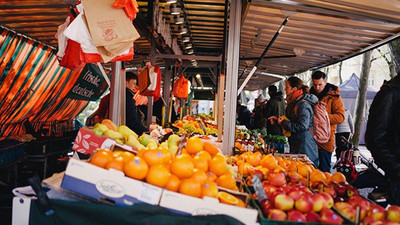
196, 172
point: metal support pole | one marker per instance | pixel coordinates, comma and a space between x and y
232, 69
123, 95
167, 89
115, 93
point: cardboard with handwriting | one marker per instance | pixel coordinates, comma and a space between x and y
185, 204
109, 186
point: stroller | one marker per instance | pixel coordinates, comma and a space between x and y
372, 177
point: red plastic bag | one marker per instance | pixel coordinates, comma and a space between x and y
157, 92
72, 58
181, 87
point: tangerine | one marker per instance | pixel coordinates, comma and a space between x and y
210, 148
317, 175
218, 165
209, 189
158, 175
254, 159
136, 168
211, 176
153, 157
338, 177
200, 163
116, 163
190, 187
173, 183
303, 170
227, 198
241, 203
226, 181
194, 145
167, 155
269, 162
204, 154
101, 158
200, 176
182, 166
127, 156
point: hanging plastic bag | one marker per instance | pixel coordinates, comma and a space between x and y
152, 77
143, 79
157, 91
72, 58
181, 87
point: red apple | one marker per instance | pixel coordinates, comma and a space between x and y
277, 214
393, 213
341, 190
295, 194
352, 192
277, 179
297, 216
388, 222
364, 205
328, 200
286, 188
377, 211
294, 177
304, 204
318, 202
370, 220
330, 190
283, 202
266, 206
269, 189
346, 210
329, 217
312, 217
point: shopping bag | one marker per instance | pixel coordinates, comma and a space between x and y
181, 87
143, 79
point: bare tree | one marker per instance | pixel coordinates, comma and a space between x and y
362, 94
389, 62
394, 48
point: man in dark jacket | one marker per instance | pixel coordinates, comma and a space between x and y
243, 115
274, 107
383, 134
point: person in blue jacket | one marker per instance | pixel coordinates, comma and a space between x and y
300, 114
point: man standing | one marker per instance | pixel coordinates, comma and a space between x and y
329, 94
383, 134
275, 107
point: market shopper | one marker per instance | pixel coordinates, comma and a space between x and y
132, 116
300, 114
243, 115
346, 130
274, 107
383, 134
329, 94
260, 121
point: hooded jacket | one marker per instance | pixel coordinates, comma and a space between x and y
383, 128
274, 107
335, 108
301, 140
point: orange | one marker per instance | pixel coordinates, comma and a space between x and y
303, 170
244, 169
200, 176
210, 148
218, 166
200, 163
204, 154
328, 177
194, 145
101, 158
317, 175
292, 168
116, 153
173, 183
127, 156
241, 203
153, 157
158, 175
116, 163
209, 189
190, 187
338, 177
141, 152
254, 159
211, 176
179, 123
136, 168
227, 198
182, 166
167, 155
269, 162
226, 181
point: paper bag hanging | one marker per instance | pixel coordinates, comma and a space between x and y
181, 87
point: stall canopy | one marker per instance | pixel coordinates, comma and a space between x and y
33, 86
348, 92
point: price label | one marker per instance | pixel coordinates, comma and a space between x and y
258, 188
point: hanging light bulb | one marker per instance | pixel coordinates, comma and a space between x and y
171, 1
190, 52
189, 46
179, 20
174, 9
183, 30
185, 39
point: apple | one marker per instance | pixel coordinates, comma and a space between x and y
312, 217
286, 188
295, 194
346, 210
341, 190
297, 216
277, 178
283, 202
329, 217
388, 222
393, 213
330, 190
328, 200
364, 205
304, 204
266, 206
277, 214
339, 199
269, 189
294, 177
352, 191
318, 185
370, 220
377, 211
318, 202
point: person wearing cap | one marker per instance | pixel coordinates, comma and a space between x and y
274, 107
260, 121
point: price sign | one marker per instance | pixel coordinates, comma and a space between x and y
259, 189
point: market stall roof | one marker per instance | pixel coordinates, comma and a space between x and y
320, 33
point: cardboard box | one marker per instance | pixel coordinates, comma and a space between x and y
87, 141
108, 185
208, 206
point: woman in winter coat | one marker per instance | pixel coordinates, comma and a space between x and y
300, 114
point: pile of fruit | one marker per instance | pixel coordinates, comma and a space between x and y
190, 125
196, 172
